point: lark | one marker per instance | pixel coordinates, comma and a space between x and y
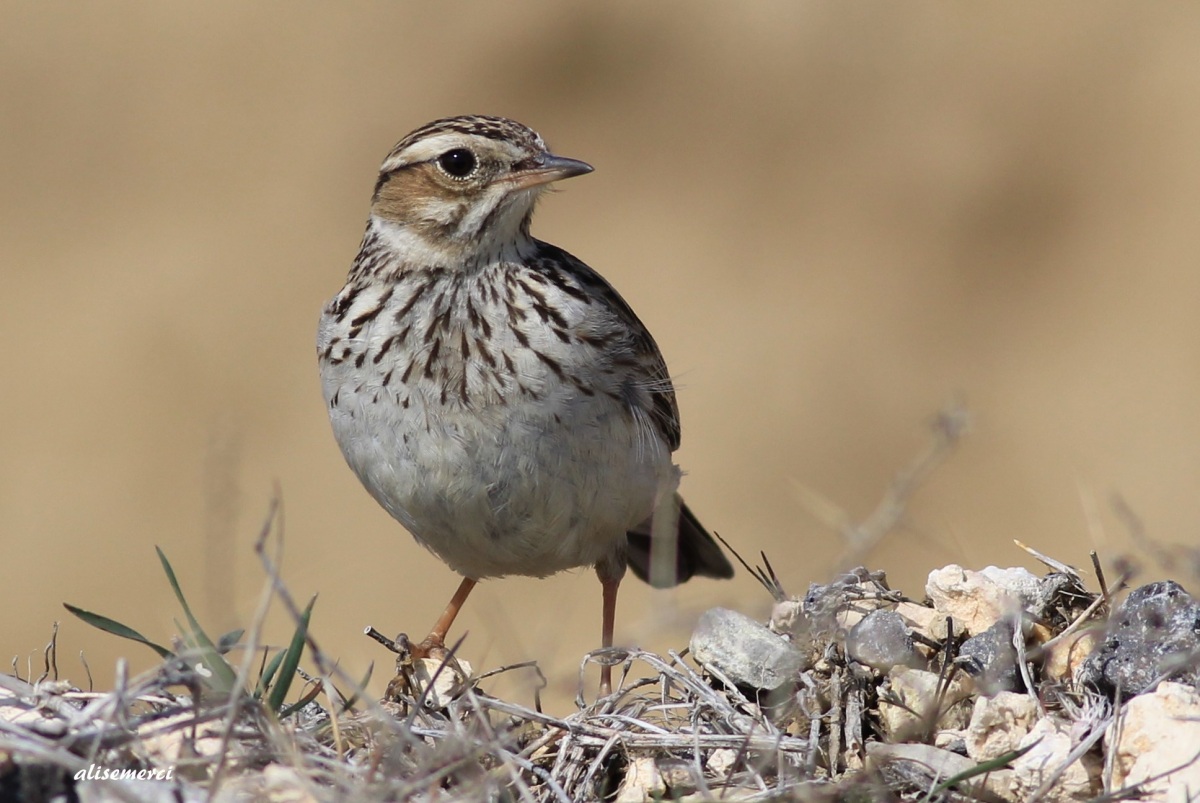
491, 391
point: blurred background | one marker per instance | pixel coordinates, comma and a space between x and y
834, 218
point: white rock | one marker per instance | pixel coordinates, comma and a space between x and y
1159, 732
721, 762
854, 613
1064, 658
448, 682
950, 739
998, 724
642, 783
1052, 744
972, 599
918, 617
917, 691
1018, 582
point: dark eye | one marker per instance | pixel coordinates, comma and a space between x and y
459, 162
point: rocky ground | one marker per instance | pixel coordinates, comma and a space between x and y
991, 685
996, 685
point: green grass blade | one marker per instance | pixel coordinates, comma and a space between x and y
222, 677
291, 660
268, 674
303, 701
230, 640
117, 629
187, 609
991, 765
362, 685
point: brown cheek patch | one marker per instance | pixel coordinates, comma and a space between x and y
406, 193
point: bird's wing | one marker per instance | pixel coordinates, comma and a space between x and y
638, 346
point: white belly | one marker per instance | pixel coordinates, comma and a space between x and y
507, 420
510, 488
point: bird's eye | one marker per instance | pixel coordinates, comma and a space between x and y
458, 163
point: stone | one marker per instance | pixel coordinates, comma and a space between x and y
1154, 635
953, 740
1050, 744
642, 783
916, 691
1062, 659
721, 763
744, 651
926, 765
998, 724
1020, 584
1060, 592
991, 659
845, 601
679, 774
1158, 737
973, 600
881, 641
447, 683
918, 617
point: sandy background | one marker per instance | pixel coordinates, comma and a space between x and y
834, 219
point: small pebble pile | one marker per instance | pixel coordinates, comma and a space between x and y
999, 685
997, 665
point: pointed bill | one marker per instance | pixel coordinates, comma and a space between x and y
545, 169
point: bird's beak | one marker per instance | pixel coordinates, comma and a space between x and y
545, 169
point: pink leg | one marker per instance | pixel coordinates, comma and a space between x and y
436, 640
609, 587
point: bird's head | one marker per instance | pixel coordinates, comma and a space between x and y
466, 186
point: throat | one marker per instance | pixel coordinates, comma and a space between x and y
411, 248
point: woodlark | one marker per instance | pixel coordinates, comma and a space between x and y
493, 392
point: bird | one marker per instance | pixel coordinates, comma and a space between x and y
492, 392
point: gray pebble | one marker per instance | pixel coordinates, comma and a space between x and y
991, 659
744, 651
881, 640
1154, 635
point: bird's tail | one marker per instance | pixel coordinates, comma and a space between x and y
696, 552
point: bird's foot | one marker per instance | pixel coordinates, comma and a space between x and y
427, 668
433, 646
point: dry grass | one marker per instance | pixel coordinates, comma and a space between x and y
705, 737
671, 730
